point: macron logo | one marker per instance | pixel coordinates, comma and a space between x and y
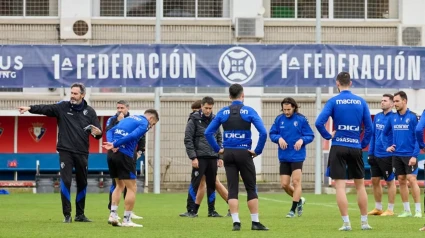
348, 101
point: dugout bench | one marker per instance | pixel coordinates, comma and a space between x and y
41, 171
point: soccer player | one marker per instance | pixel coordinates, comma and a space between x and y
292, 133
122, 112
381, 161
219, 187
420, 139
405, 150
76, 122
204, 159
348, 112
237, 154
122, 140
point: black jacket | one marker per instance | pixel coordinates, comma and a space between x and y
194, 139
71, 120
112, 121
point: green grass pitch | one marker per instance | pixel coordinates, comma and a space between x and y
39, 215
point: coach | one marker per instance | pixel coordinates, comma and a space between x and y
76, 122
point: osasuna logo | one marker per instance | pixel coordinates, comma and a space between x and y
348, 128
237, 65
37, 131
234, 135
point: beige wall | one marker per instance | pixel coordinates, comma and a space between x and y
201, 32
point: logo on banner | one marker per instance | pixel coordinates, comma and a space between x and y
237, 65
1, 130
9, 66
37, 131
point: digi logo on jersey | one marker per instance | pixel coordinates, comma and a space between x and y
348, 128
237, 65
234, 135
121, 132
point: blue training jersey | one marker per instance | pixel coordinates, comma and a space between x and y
291, 129
403, 128
420, 131
126, 134
377, 146
348, 112
237, 139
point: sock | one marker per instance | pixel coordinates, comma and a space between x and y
114, 209
196, 208
235, 217
418, 207
254, 217
406, 206
391, 206
363, 218
127, 216
378, 205
294, 205
346, 219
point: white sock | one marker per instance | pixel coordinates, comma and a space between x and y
114, 209
418, 207
391, 206
127, 216
406, 206
378, 205
235, 217
254, 217
345, 219
363, 218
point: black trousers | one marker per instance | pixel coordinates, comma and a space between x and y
207, 167
68, 161
240, 161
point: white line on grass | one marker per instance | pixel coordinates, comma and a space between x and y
308, 203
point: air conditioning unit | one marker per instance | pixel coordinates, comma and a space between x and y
249, 27
411, 35
75, 19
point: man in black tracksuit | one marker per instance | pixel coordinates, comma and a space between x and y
122, 112
76, 121
204, 159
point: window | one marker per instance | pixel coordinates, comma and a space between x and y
297, 9
34, 8
340, 9
11, 8
380, 9
171, 8
350, 9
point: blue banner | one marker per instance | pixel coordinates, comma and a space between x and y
210, 65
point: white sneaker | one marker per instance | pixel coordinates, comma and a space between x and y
131, 224
113, 220
365, 226
345, 227
136, 217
